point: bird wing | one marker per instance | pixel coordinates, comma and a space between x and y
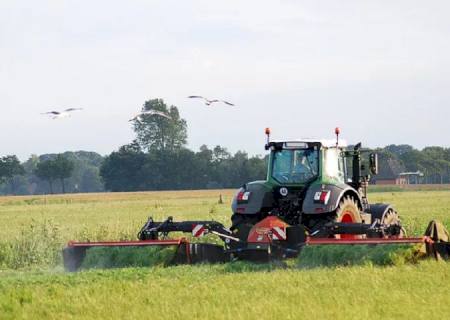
162, 114
52, 112
73, 109
228, 103
134, 118
196, 97
150, 113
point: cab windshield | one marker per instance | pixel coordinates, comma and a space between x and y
296, 166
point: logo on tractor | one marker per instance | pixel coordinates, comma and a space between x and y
262, 230
284, 191
277, 233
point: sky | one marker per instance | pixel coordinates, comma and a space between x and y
380, 70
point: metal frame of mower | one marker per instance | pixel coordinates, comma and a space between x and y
269, 239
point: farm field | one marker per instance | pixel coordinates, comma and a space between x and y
33, 284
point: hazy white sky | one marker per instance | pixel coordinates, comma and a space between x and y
378, 69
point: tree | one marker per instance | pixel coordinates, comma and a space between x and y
50, 170
155, 132
63, 168
400, 149
10, 168
45, 171
122, 170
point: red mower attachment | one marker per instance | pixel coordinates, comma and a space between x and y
185, 253
271, 238
372, 241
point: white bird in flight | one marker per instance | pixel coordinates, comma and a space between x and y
209, 102
62, 114
150, 113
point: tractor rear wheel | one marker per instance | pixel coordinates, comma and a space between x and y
348, 212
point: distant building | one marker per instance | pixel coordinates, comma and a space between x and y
390, 172
412, 177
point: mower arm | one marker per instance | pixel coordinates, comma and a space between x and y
153, 230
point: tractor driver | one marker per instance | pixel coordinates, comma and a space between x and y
304, 165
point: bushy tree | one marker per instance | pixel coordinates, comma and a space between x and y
155, 132
45, 171
10, 168
58, 168
122, 170
63, 168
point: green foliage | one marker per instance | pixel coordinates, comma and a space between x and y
130, 169
339, 255
10, 168
215, 292
122, 170
39, 244
45, 171
265, 291
160, 133
57, 168
122, 257
85, 176
433, 162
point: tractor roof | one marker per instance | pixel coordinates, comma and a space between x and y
324, 142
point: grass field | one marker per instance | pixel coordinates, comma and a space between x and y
34, 286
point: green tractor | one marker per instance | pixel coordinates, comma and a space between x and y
312, 183
315, 194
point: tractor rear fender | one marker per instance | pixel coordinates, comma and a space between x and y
337, 193
378, 210
252, 198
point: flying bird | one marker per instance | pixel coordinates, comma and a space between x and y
209, 102
150, 113
62, 114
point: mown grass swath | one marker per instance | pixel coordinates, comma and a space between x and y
339, 255
122, 257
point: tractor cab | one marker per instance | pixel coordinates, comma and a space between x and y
310, 182
298, 163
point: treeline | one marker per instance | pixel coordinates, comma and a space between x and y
433, 163
51, 173
159, 160
131, 169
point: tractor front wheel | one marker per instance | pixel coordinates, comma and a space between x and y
392, 220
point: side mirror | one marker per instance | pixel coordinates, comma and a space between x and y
373, 163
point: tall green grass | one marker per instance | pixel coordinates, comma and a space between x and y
35, 229
360, 255
219, 292
122, 257
38, 245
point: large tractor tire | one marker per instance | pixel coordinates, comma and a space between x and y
348, 212
392, 219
